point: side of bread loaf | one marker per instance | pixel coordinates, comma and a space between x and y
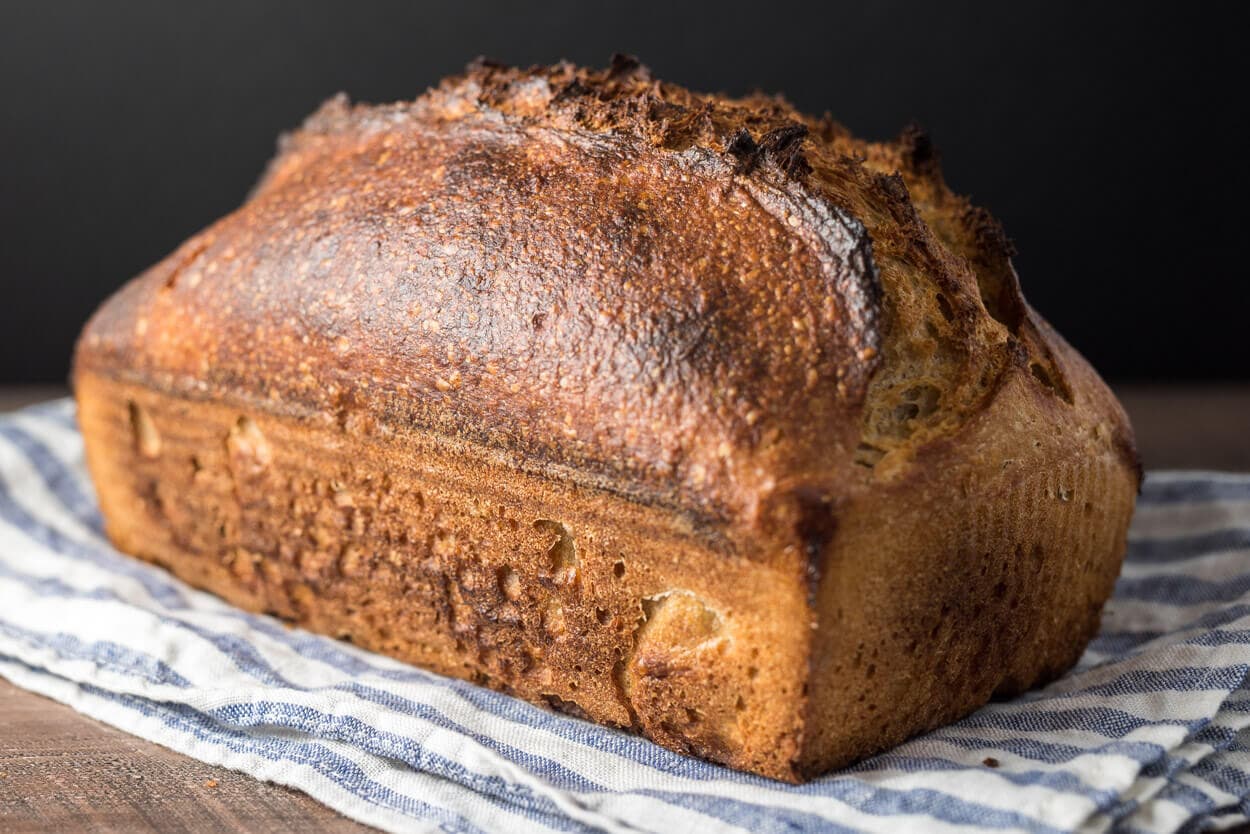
682, 413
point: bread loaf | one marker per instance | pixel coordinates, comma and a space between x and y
685, 414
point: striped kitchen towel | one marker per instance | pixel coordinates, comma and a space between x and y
1150, 733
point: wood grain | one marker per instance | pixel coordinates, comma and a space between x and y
61, 771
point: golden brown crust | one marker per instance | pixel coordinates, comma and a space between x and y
798, 353
447, 557
491, 263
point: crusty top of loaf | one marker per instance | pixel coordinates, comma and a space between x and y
696, 300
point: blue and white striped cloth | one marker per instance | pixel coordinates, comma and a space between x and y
1150, 733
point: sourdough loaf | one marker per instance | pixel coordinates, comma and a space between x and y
681, 413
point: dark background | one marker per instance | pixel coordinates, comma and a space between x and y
1111, 141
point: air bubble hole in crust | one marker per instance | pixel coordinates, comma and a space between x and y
677, 617
248, 449
868, 455
563, 551
924, 397
147, 439
509, 583
905, 412
553, 620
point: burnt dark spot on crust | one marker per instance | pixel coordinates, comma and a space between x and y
744, 149
784, 146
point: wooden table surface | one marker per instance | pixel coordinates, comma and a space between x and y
60, 771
